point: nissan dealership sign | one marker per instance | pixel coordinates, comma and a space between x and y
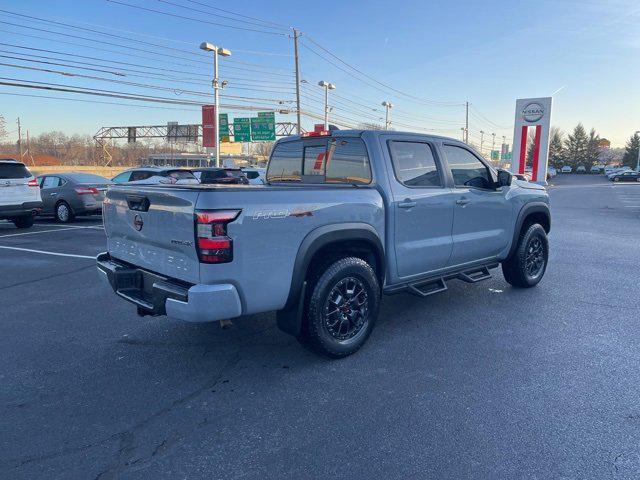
532, 115
532, 112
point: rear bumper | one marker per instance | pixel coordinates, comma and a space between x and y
159, 295
24, 209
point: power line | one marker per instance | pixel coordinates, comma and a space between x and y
191, 9
199, 20
11, 82
238, 14
166, 39
142, 85
154, 68
399, 92
149, 52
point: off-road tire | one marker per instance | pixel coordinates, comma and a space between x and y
515, 268
23, 222
323, 282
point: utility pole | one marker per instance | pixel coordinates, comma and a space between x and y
19, 138
466, 122
29, 150
493, 142
296, 34
481, 140
387, 121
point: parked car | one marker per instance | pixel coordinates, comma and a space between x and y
581, 169
626, 176
595, 169
223, 176
551, 172
150, 175
20, 199
567, 169
68, 195
390, 212
618, 170
255, 175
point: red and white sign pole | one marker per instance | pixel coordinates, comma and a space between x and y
209, 126
532, 112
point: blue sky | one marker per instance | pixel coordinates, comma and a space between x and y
487, 53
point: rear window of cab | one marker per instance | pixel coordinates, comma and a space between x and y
320, 160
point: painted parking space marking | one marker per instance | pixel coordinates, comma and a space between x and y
58, 254
38, 231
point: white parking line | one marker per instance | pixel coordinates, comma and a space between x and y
47, 253
39, 231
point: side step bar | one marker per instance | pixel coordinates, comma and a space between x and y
437, 285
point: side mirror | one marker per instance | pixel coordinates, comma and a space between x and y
504, 178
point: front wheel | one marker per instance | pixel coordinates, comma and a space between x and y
616, 179
528, 263
342, 308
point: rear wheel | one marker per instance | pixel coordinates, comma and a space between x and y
526, 267
616, 179
63, 212
342, 308
23, 222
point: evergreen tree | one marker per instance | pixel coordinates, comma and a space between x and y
576, 146
630, 157
556, 148
592, 153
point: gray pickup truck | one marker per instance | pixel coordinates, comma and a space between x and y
345, 216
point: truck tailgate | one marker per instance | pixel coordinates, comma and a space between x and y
153, 228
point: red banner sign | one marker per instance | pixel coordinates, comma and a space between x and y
209, 126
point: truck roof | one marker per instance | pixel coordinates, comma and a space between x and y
360, 132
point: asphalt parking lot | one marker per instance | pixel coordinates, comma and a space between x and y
482, 381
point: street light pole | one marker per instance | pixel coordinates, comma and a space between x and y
481, 141
327, 86
208, 47
387, 121
638, 161
493, 142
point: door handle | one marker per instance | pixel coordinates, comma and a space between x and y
407, 203
53, 194
462, 202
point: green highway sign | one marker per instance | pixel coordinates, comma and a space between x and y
242, 129
506, 156
495, 154
223, 127
263, 128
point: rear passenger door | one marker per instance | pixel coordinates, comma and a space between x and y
482, 216
50, 191
423, 207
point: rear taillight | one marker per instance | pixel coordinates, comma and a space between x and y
33, 182
214, 246
87, 191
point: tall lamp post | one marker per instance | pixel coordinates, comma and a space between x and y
387, 121
638, 160
209, 47
327, 86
